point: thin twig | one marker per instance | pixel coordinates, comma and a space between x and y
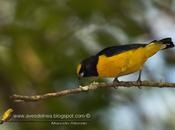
93, 86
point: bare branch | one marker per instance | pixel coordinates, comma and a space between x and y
92, 86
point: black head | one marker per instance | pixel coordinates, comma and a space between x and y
87, 67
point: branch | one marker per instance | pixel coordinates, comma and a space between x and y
91, 87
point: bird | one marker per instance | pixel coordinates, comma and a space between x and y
116, 61
6, 115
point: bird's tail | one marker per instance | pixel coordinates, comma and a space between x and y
167, 42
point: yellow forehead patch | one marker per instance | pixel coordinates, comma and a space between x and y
78, 68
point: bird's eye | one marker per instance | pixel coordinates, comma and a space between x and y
81, 74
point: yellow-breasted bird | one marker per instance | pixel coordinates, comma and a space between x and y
6, 115
121, 60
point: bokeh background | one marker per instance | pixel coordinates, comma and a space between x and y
42, 41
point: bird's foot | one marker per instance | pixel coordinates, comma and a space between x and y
115, 83
139, 82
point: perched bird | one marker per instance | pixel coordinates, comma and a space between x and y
7, 115
121, 60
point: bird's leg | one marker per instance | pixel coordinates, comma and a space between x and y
139, 79
116, 81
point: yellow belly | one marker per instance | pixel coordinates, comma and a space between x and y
125, 62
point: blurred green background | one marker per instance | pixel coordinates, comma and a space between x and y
42, 41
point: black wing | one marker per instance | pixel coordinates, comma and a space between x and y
110, 51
